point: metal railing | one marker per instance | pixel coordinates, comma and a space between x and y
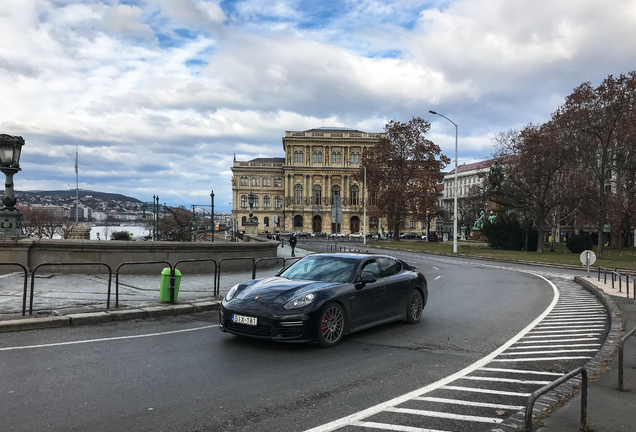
117, 277
26, 278
172, 274
543, 390
218, 275
110, 276
616, 275
620, 358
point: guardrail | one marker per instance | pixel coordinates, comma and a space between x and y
218, 275
543, 390
620, 358
117, 277
214, 288
110, 276
26, 278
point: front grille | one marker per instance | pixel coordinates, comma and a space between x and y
261, 330
290, 332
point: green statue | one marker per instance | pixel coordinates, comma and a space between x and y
492, 218
479, 223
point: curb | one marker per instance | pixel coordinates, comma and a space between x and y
78, 319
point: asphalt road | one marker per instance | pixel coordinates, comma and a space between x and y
183, 374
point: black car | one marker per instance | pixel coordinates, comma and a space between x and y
323, 297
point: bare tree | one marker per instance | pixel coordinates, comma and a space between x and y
403, 169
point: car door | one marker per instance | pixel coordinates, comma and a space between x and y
367, 302
398, 286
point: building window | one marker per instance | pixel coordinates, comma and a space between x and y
277, 203
373, 223
278, 182
244, 201
266, 221
243, 181
355, 157
319, 157
266, 201
298, 194
355, 195
317, 194
335, 191
266, 181
295, 157
243, 219
255, 181
315, 157
412, 223
255, 200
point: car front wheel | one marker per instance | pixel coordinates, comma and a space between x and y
331, 326
415, 307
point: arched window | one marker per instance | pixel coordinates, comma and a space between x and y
355, 195
266, 221
355, 157
317, 194
243, 200
243, 180
255, 200
335, 191
278, 181
243, 219
298, 194
277, 203
315, 157
267, 181
295, 156
333, 157
255, 181
300, 156
319, 157
266, 201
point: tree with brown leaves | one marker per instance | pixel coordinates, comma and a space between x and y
402, 171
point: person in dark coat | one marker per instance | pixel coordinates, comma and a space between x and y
292, 243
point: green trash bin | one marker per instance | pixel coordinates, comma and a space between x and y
164, 290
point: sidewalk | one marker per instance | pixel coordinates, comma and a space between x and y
609, 410
75, 299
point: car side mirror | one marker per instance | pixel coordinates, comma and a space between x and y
366, 278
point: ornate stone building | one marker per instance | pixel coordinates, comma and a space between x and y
299, 190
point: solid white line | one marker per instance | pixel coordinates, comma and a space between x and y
569, 326
106, 339
550, 352
558, 340
389, 427
437, 277
480, 390
590, 311
586, 334
444, 415
336, 424
506, 380
541, 359
578, 319
555, 346
469, 403
521, 371
559, 331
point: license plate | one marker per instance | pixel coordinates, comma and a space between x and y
240, 319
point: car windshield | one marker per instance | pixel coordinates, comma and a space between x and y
322, 268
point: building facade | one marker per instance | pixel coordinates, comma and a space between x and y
298, 191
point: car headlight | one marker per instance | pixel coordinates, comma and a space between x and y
230, 295
300, 301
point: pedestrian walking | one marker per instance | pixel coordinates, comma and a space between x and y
292, 244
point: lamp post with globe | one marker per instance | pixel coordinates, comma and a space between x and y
10, 217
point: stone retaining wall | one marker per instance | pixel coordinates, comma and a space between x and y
31, 252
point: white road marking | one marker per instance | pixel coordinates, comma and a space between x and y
469, 403
577, 339
558, 331
555, 346
505, 380
436, 268
549, 352
568, 326
542, 359
521, 371
390, 427
106, 339
564, 335
486, 391
336, 424
444, 415
437, 277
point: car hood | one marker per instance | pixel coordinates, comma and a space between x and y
279, 289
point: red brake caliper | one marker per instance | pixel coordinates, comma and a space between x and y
324, 324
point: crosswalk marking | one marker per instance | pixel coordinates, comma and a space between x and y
390, 427
542, 359
468, 403
487, 391
444, 415
505, 380
520, 371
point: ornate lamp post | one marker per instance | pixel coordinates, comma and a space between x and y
10, 217
250, 199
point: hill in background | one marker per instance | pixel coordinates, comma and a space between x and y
105, 196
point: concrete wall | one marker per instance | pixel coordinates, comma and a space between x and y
31, 253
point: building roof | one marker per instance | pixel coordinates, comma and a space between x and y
472, 166
268, 160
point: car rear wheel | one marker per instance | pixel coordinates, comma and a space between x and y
415, 307
331, 326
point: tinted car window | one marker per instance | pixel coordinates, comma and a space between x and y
322, 268
389, 266
371, 267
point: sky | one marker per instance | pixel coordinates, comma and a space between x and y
159, 96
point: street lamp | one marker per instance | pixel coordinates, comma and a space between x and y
10, 217
251, 198
456, 187
364, 206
